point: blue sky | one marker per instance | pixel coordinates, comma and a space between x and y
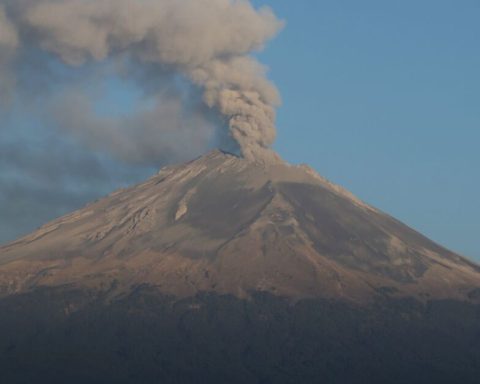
381, 97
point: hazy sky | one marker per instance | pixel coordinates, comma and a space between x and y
380, 97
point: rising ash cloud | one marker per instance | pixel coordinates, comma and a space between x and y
190, 62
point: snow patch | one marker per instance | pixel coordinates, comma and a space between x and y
183, 204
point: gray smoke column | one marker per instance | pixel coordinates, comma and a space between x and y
8, 45
209, 42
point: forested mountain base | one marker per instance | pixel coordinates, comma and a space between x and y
71, 336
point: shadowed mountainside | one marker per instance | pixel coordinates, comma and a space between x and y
58, 336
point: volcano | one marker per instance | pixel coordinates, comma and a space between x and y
225, 269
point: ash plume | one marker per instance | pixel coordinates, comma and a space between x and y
207, 42
8, 45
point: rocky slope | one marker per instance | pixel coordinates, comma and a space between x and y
224, 270
231, 226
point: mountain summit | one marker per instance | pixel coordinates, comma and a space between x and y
228, 225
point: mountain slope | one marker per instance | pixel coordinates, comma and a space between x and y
224, 270
227, 225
